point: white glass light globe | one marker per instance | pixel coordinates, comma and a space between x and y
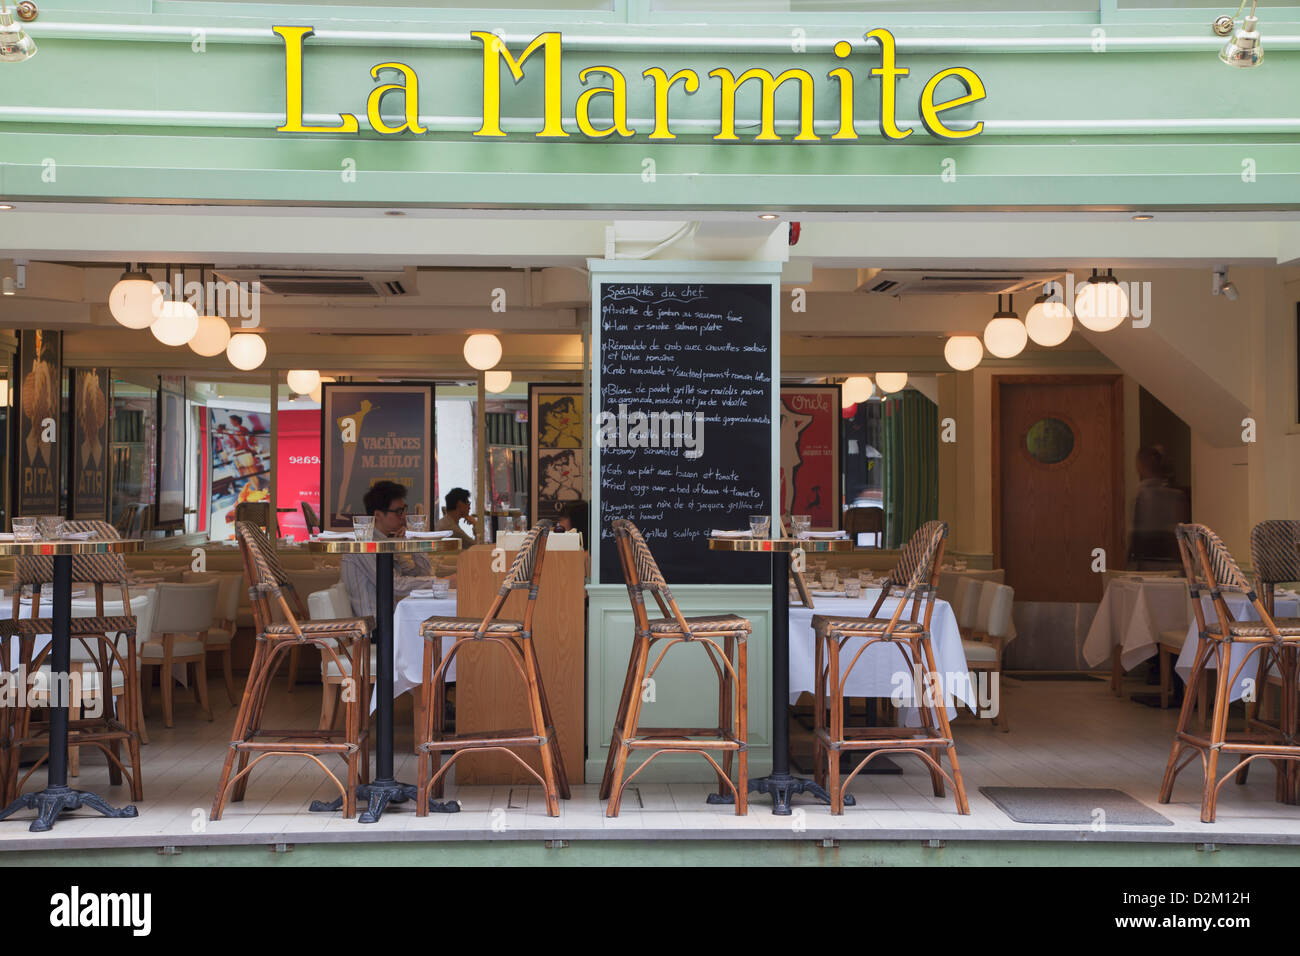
891, 382
212, 337
482, 350
496, 382
963, 352
318, 392
855, 390
304, 381
134, 300
176, 324
1005, 337
246, 351
1049, 323
1101, 306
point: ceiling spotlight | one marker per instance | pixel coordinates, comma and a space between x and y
1005, 335
1244, 50
1101, 303
15, 44
1221, 285
395, 213
1143, 217
768, 216
6, 207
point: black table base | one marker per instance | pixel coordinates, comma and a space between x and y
58, 797
781, 788
52, 801
378, 795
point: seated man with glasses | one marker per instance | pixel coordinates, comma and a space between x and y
457, 510
386, 501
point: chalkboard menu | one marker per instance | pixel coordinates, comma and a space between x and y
685, 423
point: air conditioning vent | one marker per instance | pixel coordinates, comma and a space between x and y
324, 285
949, 281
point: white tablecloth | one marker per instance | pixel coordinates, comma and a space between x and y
882, 671
408, 645
1242, 610
1132, 613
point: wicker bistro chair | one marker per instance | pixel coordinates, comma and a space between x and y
108, 644
1211, 569
1275, 556
915, 582
343, 643
516, 638
731, 734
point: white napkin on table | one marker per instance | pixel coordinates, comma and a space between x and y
428, 535
335, 536
824, 535
731, 534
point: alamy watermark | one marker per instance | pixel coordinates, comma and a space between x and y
638, 429
220, 297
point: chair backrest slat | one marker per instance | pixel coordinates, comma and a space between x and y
1275, 555
641, 572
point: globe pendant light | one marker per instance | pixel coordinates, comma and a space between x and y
1048, 322
318, 392
855, 390
1101, 303
891, 382
135, 300
246, 351
482, 351
304, 381
177, 323
496, 381
963, 352
1005, 335
212, 337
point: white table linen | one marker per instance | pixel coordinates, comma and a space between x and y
1242, 610
1132, 613
408, 645
882, 671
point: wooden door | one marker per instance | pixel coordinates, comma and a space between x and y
1058, 482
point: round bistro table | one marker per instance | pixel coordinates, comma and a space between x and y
58, 797
780, 783
384, 789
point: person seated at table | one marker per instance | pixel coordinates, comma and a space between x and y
386, 502
456, 511
574, 518
1159, 509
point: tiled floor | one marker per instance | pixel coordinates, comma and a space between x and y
1064, 734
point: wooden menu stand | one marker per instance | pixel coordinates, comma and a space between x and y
490, 693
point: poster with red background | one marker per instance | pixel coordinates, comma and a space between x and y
810, 454
299, 464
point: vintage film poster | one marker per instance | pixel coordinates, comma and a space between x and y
810, 454
375, 432
39, 402
169, 507
88, 483
558, 452
240, 456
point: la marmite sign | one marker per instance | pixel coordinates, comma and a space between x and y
607, 82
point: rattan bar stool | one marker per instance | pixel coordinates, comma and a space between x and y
914, 581
345, 643
108, 646
516, 638
1211, 570
731, 735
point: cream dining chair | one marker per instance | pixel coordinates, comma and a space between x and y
182, 617
327, 605
222, 632
991, 632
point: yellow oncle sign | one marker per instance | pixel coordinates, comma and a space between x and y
550, 48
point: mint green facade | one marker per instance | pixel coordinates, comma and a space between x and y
1111, 106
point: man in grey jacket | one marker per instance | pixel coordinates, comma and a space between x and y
386, 501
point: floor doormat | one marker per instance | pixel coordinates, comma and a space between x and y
1054, 675
1077, 806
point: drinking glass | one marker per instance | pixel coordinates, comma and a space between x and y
50, 526
758, 524
521, 523
25, 529
801, 524
363, 527
417, 523
440, 587
852, 588
830, 580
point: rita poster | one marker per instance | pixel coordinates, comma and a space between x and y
90, 407
559, 452
375, 433
810, 454
39, 405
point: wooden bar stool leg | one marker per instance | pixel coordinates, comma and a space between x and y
1218, 731
617, 733
1183, 727
941, 710
835, 730
561, 776
742, 726
533, 674
819, 709
641, 648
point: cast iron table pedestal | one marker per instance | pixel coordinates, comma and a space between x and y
58, 797
384, 789
779, 783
